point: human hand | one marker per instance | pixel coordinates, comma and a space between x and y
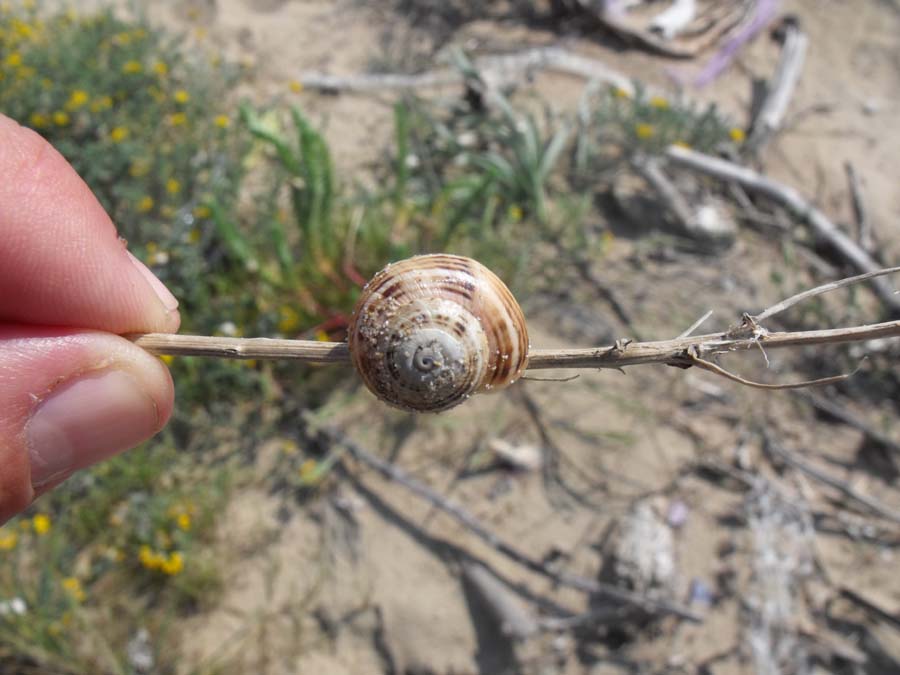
72, 392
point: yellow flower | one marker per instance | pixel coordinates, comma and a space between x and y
61, 118
737, 134
296, 86
149, 558
122, 39
515, 213
174, 564
132, 67
308, 471
138, 168
41, 523
38, 120
195, 233
102, 103
288, 320
118, 134
168, 359
77, 99
322, 336
8, 541
644, 131
160, 68
73, 588
181, 96
202, 211
221, 121
22, 29
178, 119
145, 204
173, 187
13, 60
682, 144
618, 92
183, 521
659, 102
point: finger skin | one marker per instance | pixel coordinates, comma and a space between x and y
61, 260
36, 362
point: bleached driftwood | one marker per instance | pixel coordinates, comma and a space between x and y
782, 86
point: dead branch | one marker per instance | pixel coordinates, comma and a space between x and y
515, 619
499, 70
865, 234
649, 168
473, 525
670, 352
870, 606
850, 419
819, 290
682, 351
817, 221
794, 461
781, 89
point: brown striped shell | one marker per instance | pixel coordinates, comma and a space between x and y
430, 331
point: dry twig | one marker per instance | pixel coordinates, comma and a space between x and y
794, 461
865, 234
499, 70
683, 352
850, 419
473, 525
781, 88
817, 221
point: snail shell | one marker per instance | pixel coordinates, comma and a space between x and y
430, 331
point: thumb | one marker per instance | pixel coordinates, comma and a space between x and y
69, 399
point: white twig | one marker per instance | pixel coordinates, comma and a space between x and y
781, 88
817, 221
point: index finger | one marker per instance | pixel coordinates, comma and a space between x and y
61, 260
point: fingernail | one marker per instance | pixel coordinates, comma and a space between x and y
165, 295
86, 421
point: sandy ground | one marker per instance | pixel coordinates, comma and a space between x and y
366, 579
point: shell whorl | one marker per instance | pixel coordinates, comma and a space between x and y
430, 331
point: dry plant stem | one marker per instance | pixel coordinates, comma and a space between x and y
848, 418
781, 88
818, 222
499, 70
679, 352
788, 457
819, 290
865, 234
473, 525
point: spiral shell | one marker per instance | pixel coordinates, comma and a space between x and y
430, 331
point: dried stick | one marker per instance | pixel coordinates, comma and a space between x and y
781, 89
515, 618
819, 290
496, 68
677, 352
848, 418
864, 232
818, 222
793, 460
682, 351
474, 526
